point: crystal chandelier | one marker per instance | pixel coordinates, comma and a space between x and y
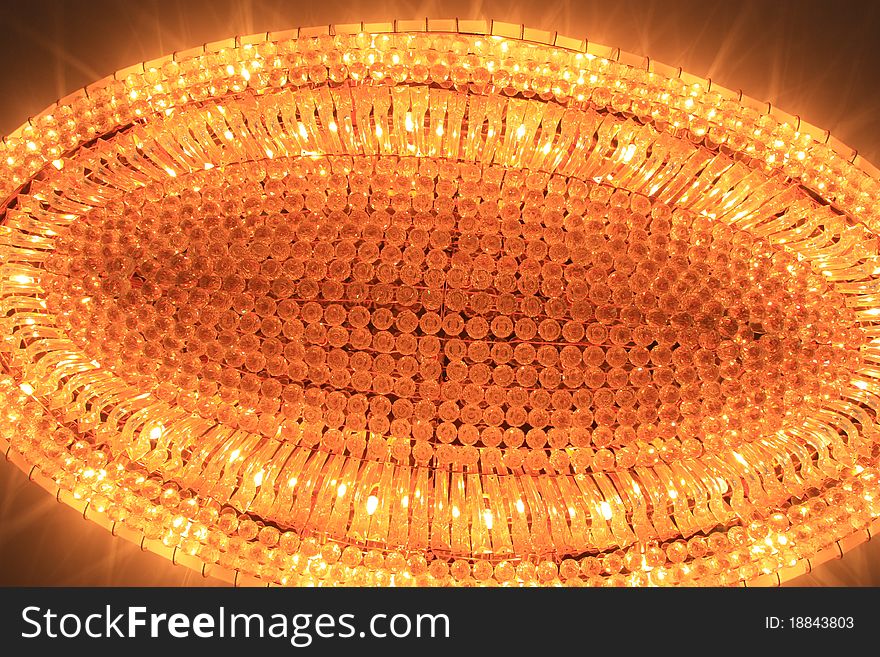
442, 303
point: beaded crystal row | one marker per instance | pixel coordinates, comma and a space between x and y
384, 306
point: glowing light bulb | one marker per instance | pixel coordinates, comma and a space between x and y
372, 504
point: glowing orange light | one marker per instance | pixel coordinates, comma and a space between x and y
508, 309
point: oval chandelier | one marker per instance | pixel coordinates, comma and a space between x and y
442, 303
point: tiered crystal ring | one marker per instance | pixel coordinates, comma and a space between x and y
442, 303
